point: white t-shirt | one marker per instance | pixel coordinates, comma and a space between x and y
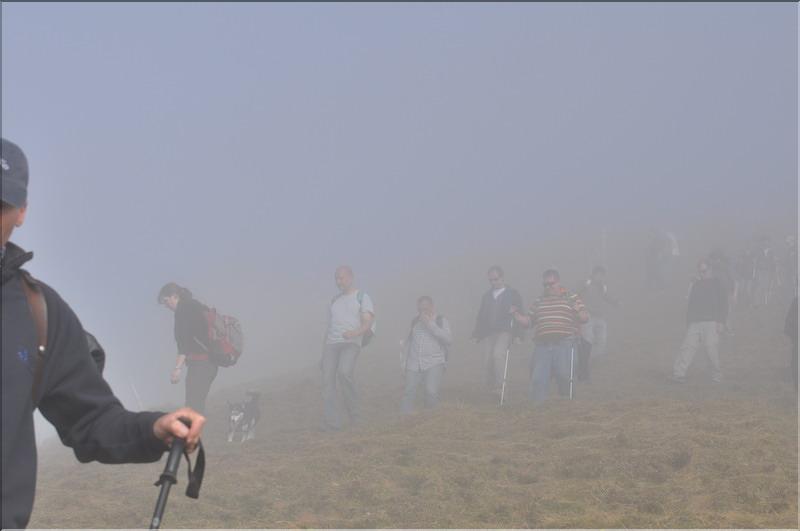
345, 314
499, 291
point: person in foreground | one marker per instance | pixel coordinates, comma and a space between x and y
47, 365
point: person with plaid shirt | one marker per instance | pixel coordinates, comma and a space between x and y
425, 354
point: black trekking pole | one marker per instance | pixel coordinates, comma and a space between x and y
170, 476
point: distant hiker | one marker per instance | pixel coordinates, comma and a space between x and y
426, 349
47, 365
745, 271
194, 347
594, 333
765, 275
705, 318
657, 257
556, 317
790, 329
721, 268
494, 327
790, 262
350, 321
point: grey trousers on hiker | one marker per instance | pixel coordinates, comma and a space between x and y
433, 382
495, 347
338, 365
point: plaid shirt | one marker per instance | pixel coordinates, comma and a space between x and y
424, 347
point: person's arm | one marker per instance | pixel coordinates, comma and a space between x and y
477, 332
180, 362
441, 333
525, 320
367, 316
79, 403
580, 310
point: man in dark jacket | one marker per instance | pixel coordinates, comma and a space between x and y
55, 372
494, 327
705, 319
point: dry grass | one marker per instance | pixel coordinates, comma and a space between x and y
631, 451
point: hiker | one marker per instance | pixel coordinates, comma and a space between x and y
556, 317
790, 329
594, 333
495, 328
721, 268
194, 346
705, 319
47, 365
657, 256
425, 354
765, 274
350, 324
790, 262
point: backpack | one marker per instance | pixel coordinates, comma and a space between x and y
226, 337
367, 336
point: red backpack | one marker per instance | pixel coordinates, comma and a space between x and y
225, 334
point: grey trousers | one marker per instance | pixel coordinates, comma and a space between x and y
433, 382
338, 365
495, 347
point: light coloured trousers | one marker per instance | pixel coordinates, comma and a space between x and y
495, 347
339, 364
595, 331
702, 333
433, 382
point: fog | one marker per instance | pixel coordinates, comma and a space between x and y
246, 150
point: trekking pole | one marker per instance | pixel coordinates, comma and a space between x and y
505, 371
571, 366
168, 478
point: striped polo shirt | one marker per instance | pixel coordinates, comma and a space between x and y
556, 316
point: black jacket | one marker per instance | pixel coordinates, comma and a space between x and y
73, 396
191, 327
707, 301
494, 315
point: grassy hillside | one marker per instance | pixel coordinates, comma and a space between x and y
631, 451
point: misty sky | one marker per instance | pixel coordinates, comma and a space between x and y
245, 150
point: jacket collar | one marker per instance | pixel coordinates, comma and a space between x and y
13, 258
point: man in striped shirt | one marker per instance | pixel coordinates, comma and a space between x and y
556, 317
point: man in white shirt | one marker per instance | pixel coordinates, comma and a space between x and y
350, 321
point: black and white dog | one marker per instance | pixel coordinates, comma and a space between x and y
243, 417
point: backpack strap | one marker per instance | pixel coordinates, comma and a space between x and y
38, 308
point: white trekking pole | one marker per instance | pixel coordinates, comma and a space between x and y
505, 370
571, 367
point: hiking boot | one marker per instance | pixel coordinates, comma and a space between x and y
677, 379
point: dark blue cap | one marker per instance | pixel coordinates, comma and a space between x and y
14, 167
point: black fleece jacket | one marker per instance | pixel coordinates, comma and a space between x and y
73, 396
707, 301
494, 315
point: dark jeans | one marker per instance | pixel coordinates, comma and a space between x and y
584, 351
198, 383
